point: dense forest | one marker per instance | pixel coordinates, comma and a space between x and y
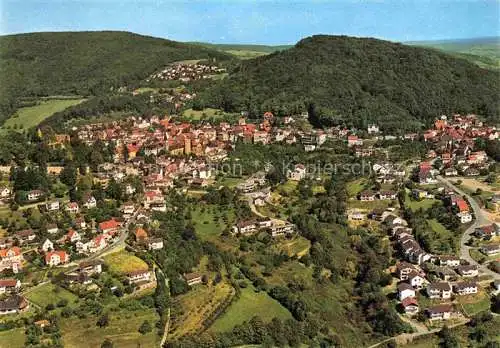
358, 81
83, 63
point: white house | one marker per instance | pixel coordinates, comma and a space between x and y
52, 229
155, 244
405, 290
52, 206
298, 173
440, 290
72, 207
8, 286
47, 245
465, 288
54, 258
5, 192
245, 227
90, 203
72, 236
416, 280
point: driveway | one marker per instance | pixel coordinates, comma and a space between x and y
481, 219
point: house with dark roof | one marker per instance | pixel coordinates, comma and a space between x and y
440, 290
13, 304
465, 288
405, 290
440, 312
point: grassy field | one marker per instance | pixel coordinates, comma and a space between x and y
355, 187
203, 114
209, 222
250, 304
483, 51
475, 304
122, 330
12, 338
287, 188
416, 205
297, 246
246, 54
230, 182
123, 262
462, 333
194, 307
438, 227
141, 90
50, 294
31, 116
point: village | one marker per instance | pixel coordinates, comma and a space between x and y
150, 157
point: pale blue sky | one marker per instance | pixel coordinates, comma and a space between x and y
259, 21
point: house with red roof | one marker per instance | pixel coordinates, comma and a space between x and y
9, 286
97, 244
72, 236
109, 226
463, 211
353, 140
72, 207
58, 257
410, 305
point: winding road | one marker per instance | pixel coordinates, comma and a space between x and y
480, 220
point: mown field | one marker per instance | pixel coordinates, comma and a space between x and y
50, 294
122, 330
416, 205
210, 221
250, 304
124, 262
31, 116
12, 338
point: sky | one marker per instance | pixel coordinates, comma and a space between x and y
258, 21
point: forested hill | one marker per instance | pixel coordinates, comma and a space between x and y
359, 81
83, 62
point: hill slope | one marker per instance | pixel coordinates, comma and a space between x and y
484, 52
245, 51
83, 62
359, 81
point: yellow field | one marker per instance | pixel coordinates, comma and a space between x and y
124, 262
31, 116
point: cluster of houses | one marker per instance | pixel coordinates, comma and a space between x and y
186, 72
488, 233
253, 183
56, 252
461, 207
369, 196
275, 227
388, 173
453, 142
10, 299
413, 279
151, 243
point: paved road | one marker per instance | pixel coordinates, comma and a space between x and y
404, 338
480, 220
120, 242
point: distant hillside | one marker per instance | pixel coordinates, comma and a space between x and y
358, 81
484, 52
244, 51
83, 63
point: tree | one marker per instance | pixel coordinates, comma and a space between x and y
107, 343
68, 175
448, 339
145, 327
103, 320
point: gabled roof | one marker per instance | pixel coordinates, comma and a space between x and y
409, 301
